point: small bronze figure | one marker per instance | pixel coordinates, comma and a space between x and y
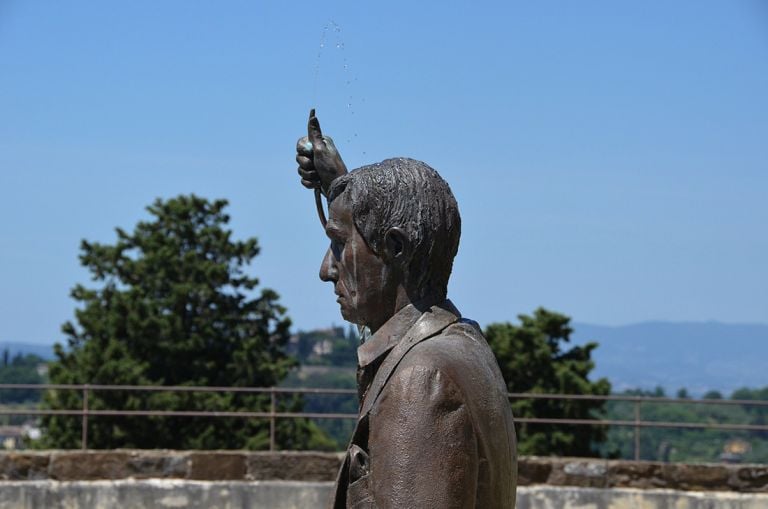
435, 428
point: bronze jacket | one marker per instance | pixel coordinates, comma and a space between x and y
435, 428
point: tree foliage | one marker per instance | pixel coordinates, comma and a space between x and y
690, 445
533, 358
329, 377
20, 369
173, 305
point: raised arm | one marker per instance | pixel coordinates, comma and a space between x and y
319, 161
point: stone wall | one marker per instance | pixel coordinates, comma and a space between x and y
164, 494
589, 473
319, 467
175, 493
291, 480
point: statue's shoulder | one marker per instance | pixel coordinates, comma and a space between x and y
459, 346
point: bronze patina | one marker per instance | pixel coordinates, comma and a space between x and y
435, 428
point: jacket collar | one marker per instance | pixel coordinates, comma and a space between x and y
428, 324
393, 330
387, 336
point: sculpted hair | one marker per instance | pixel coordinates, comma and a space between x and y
410, 195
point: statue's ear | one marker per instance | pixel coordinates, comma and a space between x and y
397, 247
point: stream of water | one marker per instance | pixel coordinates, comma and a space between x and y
331, 40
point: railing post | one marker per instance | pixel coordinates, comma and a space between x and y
637, 430
272, 409
84, 436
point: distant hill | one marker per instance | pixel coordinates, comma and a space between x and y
41, 350
699, 356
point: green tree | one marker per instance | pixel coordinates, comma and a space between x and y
688, 445
329, 377
757, 414
21, 369
533, 359
173, 305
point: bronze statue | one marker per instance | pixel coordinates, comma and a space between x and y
435, 428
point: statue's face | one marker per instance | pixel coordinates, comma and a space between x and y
363, 282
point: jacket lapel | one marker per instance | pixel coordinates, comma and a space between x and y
430, 323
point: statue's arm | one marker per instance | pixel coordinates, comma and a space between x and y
423, 449
319, 160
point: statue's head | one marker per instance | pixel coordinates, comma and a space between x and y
394, 228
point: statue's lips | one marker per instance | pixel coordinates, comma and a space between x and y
341, 295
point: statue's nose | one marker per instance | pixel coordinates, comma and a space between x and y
328, 270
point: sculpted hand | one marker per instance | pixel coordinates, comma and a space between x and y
319, 161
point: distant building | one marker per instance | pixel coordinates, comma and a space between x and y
734, 450
42, 369
323, 347
12, 437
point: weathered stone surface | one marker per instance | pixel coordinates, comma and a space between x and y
217, 466
558, 497
596, 473
532, 470
695, 477
750, 478
635, 474
88, 465
158, 464
163, 494
584, 473
175, 493
294, 466
322, 467
24, 466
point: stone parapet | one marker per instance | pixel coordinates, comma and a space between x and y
322, 467
175, 493
596, 473
117, 464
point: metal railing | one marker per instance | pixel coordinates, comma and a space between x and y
636, 423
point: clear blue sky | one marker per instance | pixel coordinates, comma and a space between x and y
610, 159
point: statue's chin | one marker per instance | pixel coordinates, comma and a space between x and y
349, 315
345, 313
